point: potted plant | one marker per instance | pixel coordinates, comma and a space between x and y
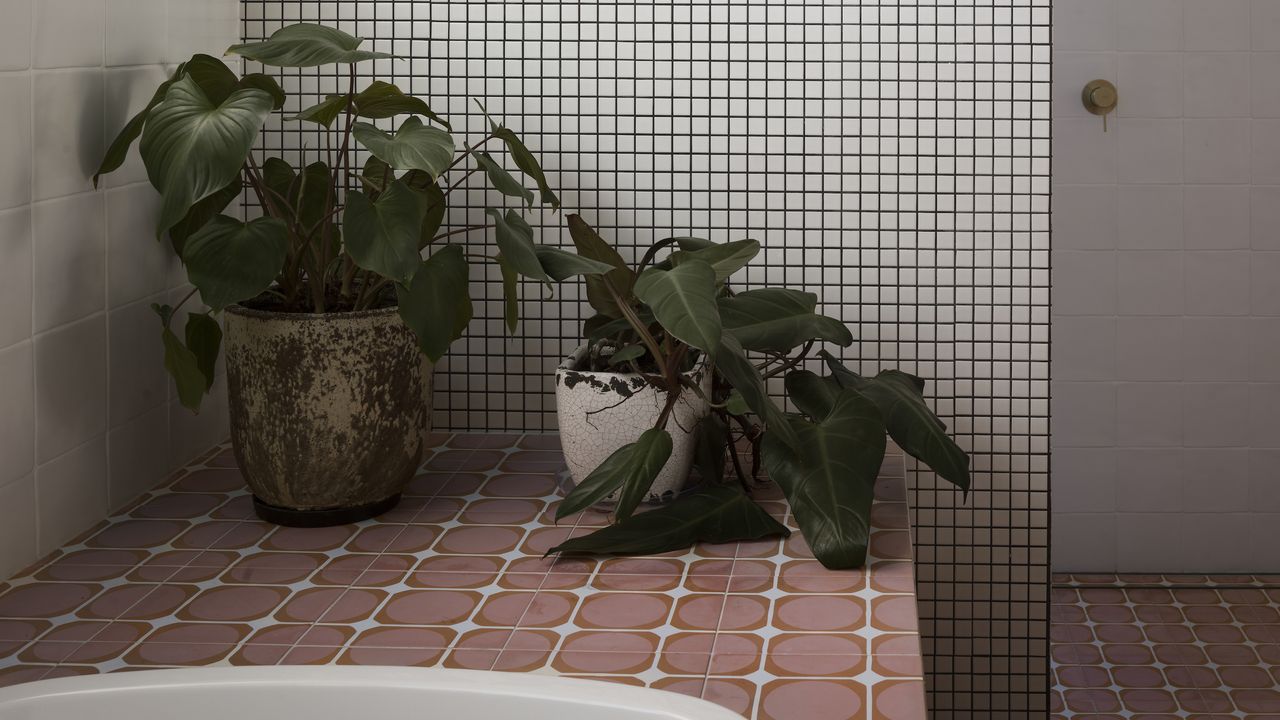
668, 315
339, 298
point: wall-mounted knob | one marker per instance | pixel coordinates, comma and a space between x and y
1100, 98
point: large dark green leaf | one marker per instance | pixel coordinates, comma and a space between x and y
216, 80
778, 320
433, 204
204, 340
193, 148
527, 164
710, 444
184, 367
510, 294
267, 84
910, 422
560, 265
413, 147
382, 236
306, 45
201, 213
829, 478
733, 365
725, 258
713, 513
630, 470
326, 111
383, 100
684, 301
501, 180
437, 305
590, 245
375, 176
229, 260
515, 240
278, 176
814, 395
309, 194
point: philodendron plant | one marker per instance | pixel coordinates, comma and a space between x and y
663, 315
335, 235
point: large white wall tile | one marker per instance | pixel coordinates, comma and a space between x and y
1216, 480
1149, 25
1149, 348
136, 362
1082, 152
1216, 85
129, 89
1264, 83
1211, 414
15, 276
1264, 19
1084, 348
1149, 217
70, 259
1150, 150
138, 264
1264, 482
1264, 218
137, 32
1071, 71
1215, 217
1084, 480
17, 525
1152, 85
1149, 283
1217, 283
1084, 414
1266, 152
1085, 217
1083, 542
1264, 268
17, 412
1149, 414
15, 34
15, 141
72, 493
1149, 479
68, 131
1212, 348
71, 386
1084, 282
1262, 348
139, 451
1085, 25
1216, 150
1217, 25
200, 26
68, 33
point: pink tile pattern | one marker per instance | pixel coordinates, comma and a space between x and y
456, 577
1165, 646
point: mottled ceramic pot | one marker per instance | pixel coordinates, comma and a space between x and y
329, 412
599, 412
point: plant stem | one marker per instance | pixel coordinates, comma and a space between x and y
791, 362
645, 337
456, 185
467, 229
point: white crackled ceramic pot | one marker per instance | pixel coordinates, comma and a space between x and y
599, 412
329, 412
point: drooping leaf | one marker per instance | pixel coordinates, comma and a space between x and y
515, 240
193, 148
278, 175
510, 294
326, 111
725, 258
413, 147
383, 100
829, 478
590, 245
778, 320
382, 236
204, 340
306, 45
560, 265
814, 395
733, 365
630, 470
684, 301
433, 204
267, 84
711, 440
692, 244
184, 367
910, 422
309, 194
528, 164
119, 148
501, 180
713, 513
229, 260
201, 213
626, 354
375, 176
437, 305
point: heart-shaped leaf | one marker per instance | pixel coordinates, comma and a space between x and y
383, 100
437, 305
590, 245
561, 265
684, 301
267, 84
204, 340
733, 365
778, 320
382, 236
829, 477
413, 147
713, 514
814, 395
326, 111
630, 469
501, 180
306, 45
193, 148
910, 422
433, 204
515, 240
725, 258
229, 260
202, 212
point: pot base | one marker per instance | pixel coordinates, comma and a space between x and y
291, 517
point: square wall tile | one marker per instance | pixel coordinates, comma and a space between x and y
17, 525
1149, 348
1149, 283
138, 381
1264, 84
1266, 152
1216, 85
137, 32
15, 141
1264, 19
17, 412
138, 264
1149, 414
1215, 217
1216, 150
1150, 25
69, 33
72, 493
71, 386
1263, 349
1216, 480
139, 452
1212, 415
1264, 539
70, 260
1150, 150
1264, 269
1217, 283
1084, 283
129, 89
1264, 481
1083, 542
15, 34
1152, 85
1149, 217
1264, 218
1082, 153
1084, 348
1084, 414
15, 276
1149, 479
200, 26
1084, 480
68, 131
1217, 348
1264, 415
1085, 25
1217, 25
1085, 217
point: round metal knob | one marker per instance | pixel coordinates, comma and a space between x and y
1100, 97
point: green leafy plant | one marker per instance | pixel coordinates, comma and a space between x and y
337, 234
660, 317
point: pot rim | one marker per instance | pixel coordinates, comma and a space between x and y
238, 309
566, 365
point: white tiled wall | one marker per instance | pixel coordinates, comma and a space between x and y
86, 414
1166, 320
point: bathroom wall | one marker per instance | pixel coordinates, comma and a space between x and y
1166, 307
87, 420
891, 157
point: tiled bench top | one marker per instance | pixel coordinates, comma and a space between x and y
455, 577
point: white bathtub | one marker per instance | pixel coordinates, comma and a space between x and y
343, 693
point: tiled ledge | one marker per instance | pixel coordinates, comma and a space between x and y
455, 577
